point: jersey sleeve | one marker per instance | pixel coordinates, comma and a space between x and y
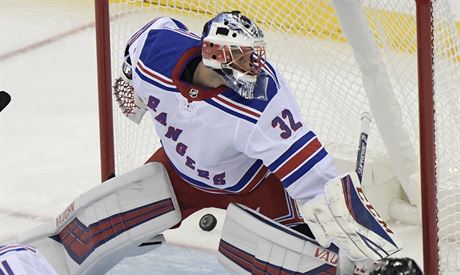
289, 148
136, 42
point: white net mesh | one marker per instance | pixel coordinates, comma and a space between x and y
447, 114
306, 43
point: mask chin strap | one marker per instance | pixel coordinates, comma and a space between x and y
227, 74
246, 89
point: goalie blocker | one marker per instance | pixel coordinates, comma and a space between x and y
120, 218
344, 216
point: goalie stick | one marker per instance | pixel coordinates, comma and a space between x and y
388, 265
5, 99
362, 147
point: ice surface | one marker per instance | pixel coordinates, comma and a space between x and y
170, 259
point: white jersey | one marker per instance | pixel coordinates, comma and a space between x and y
216, 140
24, 260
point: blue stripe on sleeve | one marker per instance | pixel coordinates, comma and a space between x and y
153, 82
289, 152
307, 166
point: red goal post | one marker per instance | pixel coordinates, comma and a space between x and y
413, 45
427, 136
104, 77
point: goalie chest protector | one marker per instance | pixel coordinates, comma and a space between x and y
216, 140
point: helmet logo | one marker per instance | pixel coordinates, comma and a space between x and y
193, 93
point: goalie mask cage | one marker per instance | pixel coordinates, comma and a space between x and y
398, 59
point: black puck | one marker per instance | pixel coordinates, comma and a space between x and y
5, 98
208, 222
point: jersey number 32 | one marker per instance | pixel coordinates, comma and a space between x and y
286, 123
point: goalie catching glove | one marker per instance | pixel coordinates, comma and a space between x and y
344, 216
128, 101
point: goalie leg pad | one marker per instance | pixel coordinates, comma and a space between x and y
344, 215
254, 244
109, 222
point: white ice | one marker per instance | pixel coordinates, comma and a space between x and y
49, 152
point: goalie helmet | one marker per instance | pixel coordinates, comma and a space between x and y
234, 47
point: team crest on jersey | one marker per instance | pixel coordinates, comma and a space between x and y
193, 93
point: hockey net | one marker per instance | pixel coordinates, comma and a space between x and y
338, 64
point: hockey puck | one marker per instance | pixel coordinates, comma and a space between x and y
208, 222
5, 98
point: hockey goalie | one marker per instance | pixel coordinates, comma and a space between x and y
233, 138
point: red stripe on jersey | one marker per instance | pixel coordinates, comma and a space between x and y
159, 78
255, 181
298, 159
223, 100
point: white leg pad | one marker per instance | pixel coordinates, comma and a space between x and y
344, 216
109, 222
254, 244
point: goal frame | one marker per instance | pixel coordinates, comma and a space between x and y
106, 137
424, 22
425, 50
